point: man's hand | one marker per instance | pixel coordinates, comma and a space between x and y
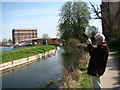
89, 41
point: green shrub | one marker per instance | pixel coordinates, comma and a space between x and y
114, 42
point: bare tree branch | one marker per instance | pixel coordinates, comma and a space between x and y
102, 17
118, 13
108, 19
95, 18
96, 11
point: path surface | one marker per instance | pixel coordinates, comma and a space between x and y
111, 76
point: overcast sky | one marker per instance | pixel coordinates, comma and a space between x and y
42, 16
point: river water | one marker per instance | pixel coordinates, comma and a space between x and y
7, 48
37, 73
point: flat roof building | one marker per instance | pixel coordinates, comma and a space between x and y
19, 35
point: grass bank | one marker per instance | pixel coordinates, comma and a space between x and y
24, 52
78, 79
86, 79
75, 74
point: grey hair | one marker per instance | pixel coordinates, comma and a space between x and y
100, 35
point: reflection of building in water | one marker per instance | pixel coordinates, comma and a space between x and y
20, 35
111, 14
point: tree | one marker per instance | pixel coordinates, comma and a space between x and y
45, 36
73, 20
4, 41
109, 16
91, 31
9, 41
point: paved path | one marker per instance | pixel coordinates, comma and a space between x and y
111, 76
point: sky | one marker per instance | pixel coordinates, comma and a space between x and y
42, 16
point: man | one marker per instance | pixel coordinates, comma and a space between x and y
98, 59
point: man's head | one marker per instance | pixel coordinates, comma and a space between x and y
100, 38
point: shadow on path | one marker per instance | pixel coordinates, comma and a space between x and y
111, 77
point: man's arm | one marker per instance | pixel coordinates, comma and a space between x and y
90, 46
90, 49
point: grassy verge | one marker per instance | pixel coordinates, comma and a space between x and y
86, 79
116, 52
24, 52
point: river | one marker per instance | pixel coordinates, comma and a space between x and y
34, 75
5, 49
8, 48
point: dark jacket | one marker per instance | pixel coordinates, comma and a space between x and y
98, 59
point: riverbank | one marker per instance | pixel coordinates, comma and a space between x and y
73, 77
75, 74
78, 79
24, 52
5, 67
32, 75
